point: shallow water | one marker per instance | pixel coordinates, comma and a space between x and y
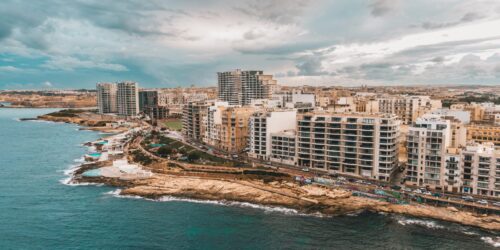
38, 211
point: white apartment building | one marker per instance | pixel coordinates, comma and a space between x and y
106, 98
127, 97
262, 125
480, 169
352, 143
283, 148
427, 144
213, 123
240, 87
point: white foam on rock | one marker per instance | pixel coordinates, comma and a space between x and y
266, 209
426, 223
494, 241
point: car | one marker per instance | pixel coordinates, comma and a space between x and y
359, 182
351, 180
482, 202
467, 198
427, 193
305, 169
496, 204
407, 190
417, 191
341, 178
395, 187
334, 175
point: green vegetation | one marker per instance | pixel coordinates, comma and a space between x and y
67, 113
183, 152
141, 158
173, 124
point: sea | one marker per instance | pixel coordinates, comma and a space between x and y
40, 210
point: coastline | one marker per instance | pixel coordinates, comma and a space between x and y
171, 179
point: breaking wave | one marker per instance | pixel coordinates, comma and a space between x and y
426, 223
494, 241
266, 209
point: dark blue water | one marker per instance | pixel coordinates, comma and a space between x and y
38, 212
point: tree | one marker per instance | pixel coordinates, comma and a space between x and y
164, 151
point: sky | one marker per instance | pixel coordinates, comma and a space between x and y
75, 44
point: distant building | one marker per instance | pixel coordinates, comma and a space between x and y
484, 133
127, 98
240, 87
407, 108
106, 98
147, 98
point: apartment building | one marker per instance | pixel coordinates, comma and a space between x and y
235, 129
193, 115
352, 143
213, 123
240, 87
106, 98
283, 148
484, 133
263, 124
407, 108
427, 144
480, 169
127, 97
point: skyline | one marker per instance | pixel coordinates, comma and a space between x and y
375, 42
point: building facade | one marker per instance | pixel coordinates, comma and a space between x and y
127, 98
263, 124
240, 87
106, 98
358, 144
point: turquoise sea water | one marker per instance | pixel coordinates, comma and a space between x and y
37, 211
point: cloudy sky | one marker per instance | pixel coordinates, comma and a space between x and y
160, 43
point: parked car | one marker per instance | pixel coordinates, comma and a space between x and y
496, 204
395, 187
468, 198
437, 195
407, 190
482, 202
417, 191
305, 169
427, 193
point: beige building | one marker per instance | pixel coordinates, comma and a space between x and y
407, 108
234, 129
484, 133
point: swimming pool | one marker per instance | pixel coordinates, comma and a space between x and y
92, 173
94, 155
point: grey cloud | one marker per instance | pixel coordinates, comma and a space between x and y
382, 7
275, 11
438, 59
466, 18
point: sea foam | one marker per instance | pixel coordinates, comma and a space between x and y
266, 209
